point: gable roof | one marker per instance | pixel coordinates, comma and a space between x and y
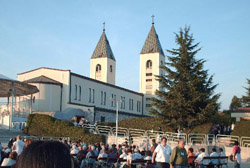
152, 43
43, 79
103, 48
42, 68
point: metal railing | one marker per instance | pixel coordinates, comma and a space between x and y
192, 138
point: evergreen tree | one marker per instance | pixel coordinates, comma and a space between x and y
246, 99
186, 97
235, 103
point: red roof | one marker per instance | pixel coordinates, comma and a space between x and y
243, 110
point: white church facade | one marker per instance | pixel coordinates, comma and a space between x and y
96, 96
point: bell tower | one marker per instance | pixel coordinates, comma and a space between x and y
151, 58
102, 62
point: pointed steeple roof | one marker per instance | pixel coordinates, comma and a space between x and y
103, 48
152, 43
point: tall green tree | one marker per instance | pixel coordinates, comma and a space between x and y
235, 103
246, 99
186, 96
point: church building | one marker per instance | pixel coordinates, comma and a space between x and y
97, 96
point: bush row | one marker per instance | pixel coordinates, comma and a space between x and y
44, 125
149, 123
242, 128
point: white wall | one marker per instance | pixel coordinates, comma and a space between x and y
98, 87
106, 75
156, 59
47, 99
61, 76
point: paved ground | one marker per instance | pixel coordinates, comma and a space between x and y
244, 164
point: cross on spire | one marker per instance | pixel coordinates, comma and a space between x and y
103, 26
153, 19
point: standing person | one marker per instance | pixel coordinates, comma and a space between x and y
162, 154
178, 157
236, 155
18, 145
191, 157
153, 146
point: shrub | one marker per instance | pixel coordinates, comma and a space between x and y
242, 128
145, 123
149, 123
110, 124
44, 125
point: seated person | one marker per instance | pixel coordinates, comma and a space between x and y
136, 154
103, 154
214, 154
221, 153
11, 160
44, 154
148, 156
200, 161
74, 150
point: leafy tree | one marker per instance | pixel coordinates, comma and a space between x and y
186, 97
235, 103
246, 99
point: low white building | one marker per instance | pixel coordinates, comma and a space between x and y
61, 90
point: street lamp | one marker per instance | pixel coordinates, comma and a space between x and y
116, 121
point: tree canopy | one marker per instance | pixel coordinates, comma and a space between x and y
186, 95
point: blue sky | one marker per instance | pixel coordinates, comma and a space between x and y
63, 34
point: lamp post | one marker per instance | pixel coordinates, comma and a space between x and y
116, 120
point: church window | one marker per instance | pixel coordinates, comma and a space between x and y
111, 68
148, 74
93, 92
149, 64
90, 95
101, 97
75, 92
104, 98
80, 93
138, 106
98, 68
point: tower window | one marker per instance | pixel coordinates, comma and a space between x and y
149, 64
111, 70
98, 68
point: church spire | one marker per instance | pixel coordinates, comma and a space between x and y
103, 48
152, 43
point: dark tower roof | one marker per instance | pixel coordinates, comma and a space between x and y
103, 48
152, 43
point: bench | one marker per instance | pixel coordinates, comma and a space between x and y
221, 161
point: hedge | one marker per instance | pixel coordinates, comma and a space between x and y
242, 128
149, 123
44, 125
145, 123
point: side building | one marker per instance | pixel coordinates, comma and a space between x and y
65, 91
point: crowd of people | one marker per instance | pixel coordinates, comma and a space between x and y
222, 129
63, 153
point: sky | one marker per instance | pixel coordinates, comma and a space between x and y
63, 34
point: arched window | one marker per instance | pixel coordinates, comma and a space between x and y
149, 64
98, 68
